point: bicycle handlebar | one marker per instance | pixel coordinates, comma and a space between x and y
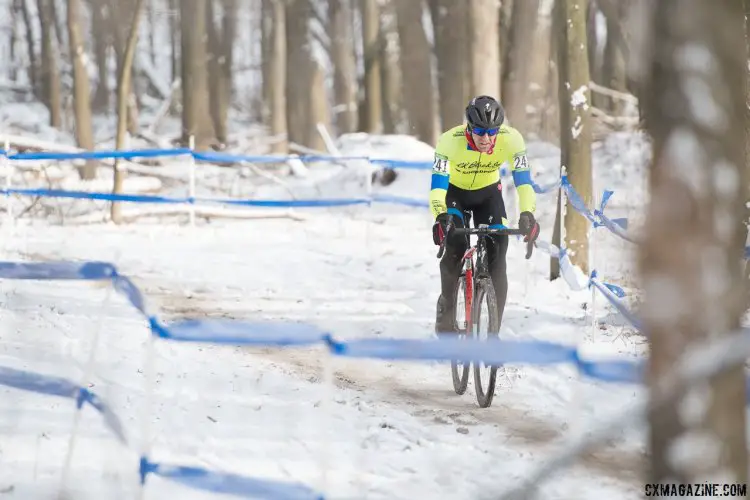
485, 231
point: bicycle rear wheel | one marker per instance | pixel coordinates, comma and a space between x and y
484, 316
459, 370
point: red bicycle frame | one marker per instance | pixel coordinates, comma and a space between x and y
468, 261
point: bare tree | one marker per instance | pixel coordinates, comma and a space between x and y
575, 128
518, 62
81, 92
50, 75
484, 47
196, 116
101, 30
694, 236
613, 61
394, 117
746, 6
221, 55
123, 94
175, 39
307, 99
344, 65
416, 69
371, 40
33, 65
276, 77
452, 48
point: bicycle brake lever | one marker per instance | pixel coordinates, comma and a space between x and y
530, 248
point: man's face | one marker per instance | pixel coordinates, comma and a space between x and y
484, 142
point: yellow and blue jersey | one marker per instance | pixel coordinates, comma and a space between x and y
458, 164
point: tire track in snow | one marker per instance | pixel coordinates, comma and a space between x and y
414, 387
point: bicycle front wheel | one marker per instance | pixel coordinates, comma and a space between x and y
459, 370
486, 328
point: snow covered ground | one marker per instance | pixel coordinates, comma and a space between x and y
386, 429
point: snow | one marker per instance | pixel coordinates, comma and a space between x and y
385, 429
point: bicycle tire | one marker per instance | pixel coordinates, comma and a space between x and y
484, 289
460, 371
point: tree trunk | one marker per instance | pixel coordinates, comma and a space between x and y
484, 47
101, 28
57, 22
613, 67
746, 6
690, 260
175, 40
15, 11
81, 91
123, 95
391, 78
416, 69
596, 60
50, 75
267, 20
559, 42
344, 66
196, 116
276, 77
221, 45
371, 39
576, 128
452, 49
504, 26
36, 83
518, 62
307, 100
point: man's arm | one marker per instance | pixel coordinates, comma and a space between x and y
521, 171
440, 178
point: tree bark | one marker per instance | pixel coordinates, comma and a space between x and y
613, 66
575, 128
484, 47
416, 69
276, 77
307, 100
373, 86
394, 117
452, 49
196, 116
123, 95
174, 39
33, 65
694, 238
344, 66
221, 51
746, 7
50, 75
81, 91
101, 31
518, 62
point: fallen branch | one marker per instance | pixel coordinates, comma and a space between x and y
616, 94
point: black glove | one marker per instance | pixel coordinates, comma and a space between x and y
443, 224
529, 226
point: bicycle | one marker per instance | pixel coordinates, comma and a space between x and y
475, 286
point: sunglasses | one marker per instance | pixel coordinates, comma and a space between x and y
482, 131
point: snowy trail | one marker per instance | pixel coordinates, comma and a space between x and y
355, 279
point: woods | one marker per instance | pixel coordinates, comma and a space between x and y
282, 76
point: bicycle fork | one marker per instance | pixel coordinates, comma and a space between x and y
469, 287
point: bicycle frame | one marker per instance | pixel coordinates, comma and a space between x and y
478, 268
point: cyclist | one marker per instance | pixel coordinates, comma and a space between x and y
466, 176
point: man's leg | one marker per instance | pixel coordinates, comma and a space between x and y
497, 248
491, 211
450, 265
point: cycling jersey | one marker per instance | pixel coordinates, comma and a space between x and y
458, 164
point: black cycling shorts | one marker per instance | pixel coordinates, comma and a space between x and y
486, 204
